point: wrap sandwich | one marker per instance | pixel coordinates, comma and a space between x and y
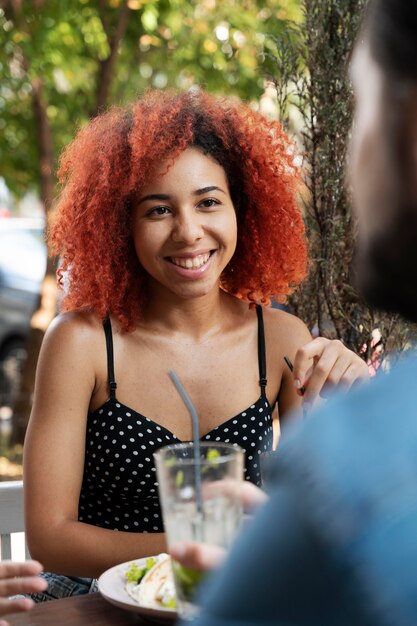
152, 586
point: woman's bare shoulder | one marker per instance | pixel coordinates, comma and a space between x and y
285, 328
74, 329
73, 353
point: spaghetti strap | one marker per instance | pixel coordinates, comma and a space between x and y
110, 359
261, 350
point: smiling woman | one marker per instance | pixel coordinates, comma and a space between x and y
184, 226
177, 221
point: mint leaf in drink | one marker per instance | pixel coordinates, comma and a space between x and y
212, 454
187, 579
179, 479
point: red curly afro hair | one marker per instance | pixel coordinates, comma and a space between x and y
110, 160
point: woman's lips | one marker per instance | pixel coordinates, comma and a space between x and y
191, 263
191, 266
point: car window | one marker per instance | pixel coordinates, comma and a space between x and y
22, 254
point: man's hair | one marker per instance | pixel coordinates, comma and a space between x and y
116, 154
391, 28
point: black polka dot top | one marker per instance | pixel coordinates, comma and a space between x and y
119, 489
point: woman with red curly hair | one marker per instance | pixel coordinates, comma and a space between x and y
177, 222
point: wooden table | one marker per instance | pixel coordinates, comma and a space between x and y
86, 610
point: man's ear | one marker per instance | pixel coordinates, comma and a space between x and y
411, 139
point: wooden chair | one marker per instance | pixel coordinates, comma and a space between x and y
11, 515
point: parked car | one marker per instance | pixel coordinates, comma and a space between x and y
23, 257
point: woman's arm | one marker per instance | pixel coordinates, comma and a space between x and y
54, 458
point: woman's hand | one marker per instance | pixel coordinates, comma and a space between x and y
17, 578
322, 364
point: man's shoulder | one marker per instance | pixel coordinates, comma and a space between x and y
352, 465
388, 395
357, 441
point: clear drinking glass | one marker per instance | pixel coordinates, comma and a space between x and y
267, 463
200, 502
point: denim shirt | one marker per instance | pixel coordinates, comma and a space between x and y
337, 542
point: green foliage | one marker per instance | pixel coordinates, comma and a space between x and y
314, 95
65, 48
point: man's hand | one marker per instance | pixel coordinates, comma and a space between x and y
249, 494
198, 556
17, 578
203, 557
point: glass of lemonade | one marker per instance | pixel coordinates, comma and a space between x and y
200, 502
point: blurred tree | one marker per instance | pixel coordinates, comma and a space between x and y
63, 62
315, 100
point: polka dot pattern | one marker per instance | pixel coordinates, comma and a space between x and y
120, 489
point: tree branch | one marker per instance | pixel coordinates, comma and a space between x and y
107, 65
45, 144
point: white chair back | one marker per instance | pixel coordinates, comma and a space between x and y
11, 515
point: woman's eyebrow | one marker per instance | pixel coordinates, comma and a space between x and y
165, 196
199, 192
155, 196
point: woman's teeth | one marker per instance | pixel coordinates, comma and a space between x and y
192, 263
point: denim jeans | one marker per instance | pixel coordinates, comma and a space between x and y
60, 586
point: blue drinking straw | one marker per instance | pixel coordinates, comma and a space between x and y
196, 438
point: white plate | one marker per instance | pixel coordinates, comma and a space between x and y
111, 585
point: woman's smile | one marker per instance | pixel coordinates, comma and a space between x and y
191, 266
191, 262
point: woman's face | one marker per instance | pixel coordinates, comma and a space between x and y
184, 226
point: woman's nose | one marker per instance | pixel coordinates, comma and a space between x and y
187, 228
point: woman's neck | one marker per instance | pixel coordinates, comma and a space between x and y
194, 318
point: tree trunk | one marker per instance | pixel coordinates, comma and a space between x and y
47, 302
47, 306
107, 65
317, 69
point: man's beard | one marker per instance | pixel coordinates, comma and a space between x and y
386, 265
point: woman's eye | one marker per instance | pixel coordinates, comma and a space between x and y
209, 202
158, 210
